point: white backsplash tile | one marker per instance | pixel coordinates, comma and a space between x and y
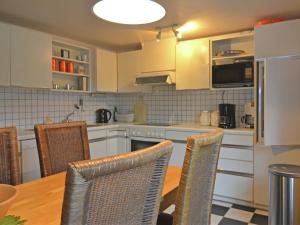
22, 107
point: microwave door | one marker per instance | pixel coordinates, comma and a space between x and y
260, 66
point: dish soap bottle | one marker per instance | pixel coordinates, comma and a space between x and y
140, 109
114, 114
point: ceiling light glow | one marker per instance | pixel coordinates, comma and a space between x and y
132, 12
188, 27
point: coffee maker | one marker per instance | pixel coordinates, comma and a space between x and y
227, 115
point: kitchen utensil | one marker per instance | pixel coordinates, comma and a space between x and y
62, 66
248, 121
215, 118
205, 118
54, 66
227, 115
140, 109
65, 53
7, 195
103, 115
70, 67
230, 52
84, 58
81, 69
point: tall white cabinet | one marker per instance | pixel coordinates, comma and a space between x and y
4, 54
31, 53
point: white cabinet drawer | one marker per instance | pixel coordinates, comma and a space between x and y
235, 166
234, 187
95, 134
236, 153
179, 135
233, 139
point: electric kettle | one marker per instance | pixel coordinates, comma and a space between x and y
103, 115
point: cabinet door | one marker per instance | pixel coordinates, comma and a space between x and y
4, 54
98, 149
158, 56
192, 64
106, 71
116, 145
277, 39
178, 154
129, 65
30, 58
29, 161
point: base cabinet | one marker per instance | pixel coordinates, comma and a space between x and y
236, 187
178, 153
98, 149
30, 163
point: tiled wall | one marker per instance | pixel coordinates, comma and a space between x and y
167, 105
23, 108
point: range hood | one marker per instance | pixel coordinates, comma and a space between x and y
155, 78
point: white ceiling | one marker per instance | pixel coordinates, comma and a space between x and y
74, 18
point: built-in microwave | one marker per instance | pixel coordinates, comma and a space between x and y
238, 74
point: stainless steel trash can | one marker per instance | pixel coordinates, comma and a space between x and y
284, 194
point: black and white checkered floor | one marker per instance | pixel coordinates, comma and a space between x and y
231, 214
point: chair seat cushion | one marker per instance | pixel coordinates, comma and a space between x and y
164, 219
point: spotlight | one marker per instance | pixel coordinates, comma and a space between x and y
177, 34
158, 36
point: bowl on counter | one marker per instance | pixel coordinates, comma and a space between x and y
8, 194
122, 117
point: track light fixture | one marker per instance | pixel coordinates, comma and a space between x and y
158, 36
172, 27
177, 34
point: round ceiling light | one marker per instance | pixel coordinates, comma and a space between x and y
131, 12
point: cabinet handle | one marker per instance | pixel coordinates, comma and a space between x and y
235, 173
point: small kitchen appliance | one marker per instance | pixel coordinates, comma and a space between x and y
249, 117
103, 115
227, 115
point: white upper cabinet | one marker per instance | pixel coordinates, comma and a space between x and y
4, 54
192, 64
129, 65
277, 39
31, 53
107, 79
158, 56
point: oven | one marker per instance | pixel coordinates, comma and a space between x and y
143, 137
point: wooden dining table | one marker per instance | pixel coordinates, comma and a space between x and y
40, 202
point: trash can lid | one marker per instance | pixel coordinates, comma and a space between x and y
285, 170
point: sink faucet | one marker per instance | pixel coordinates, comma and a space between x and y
67, 119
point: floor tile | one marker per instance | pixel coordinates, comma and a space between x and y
259, 219
227, 221
225, 204
219, 210
170, 209
261, 212
245, 208
240, 215
215, 219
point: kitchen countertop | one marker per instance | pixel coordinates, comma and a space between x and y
27, 134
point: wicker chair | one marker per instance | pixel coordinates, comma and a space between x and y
9, 157
117, 190
60, 144
194, 197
